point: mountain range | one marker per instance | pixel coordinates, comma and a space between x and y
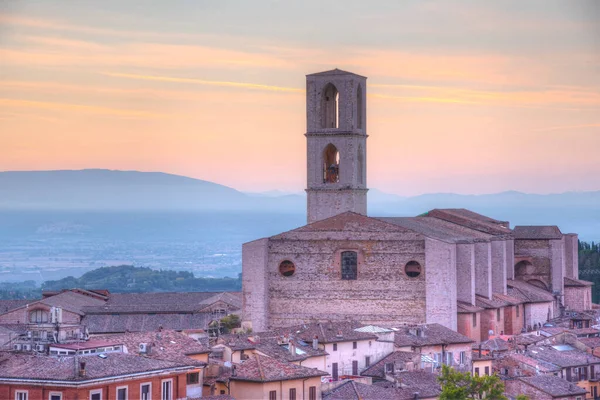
110, 190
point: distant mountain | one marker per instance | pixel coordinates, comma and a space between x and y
100, 189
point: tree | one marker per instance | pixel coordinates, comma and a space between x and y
462, 386
230, 322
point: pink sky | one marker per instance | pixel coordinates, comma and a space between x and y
467, 97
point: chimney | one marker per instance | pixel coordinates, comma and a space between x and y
416, 395
340, 334
292, 348
316, 342
82, 369
479, 350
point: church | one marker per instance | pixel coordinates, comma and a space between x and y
463, 270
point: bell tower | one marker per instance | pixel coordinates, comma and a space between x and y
336, 137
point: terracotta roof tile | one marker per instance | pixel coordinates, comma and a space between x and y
553, 385
260, 368
577, 282
439, 229
427, 335
470, 219
537, 232
398, 358
528, 292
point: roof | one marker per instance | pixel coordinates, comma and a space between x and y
334, 72
428, 335
527, 292
328, 332
377, 370
165, 345
163, 302
260, 368
569, 357
410, 382
542, 365
577, 282
90, 344
494, 302
553, 385
439, 229
473, 220
110, 323
495, 344
510, 300
466, 308
540, 232
373, 329
344, 222
26, 366
8, 305
302, 350
67, 300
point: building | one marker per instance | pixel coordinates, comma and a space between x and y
544, 387
439, 267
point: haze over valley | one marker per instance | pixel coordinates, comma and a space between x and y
61, 223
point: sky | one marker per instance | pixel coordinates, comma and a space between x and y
464, 96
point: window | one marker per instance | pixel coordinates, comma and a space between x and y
287, 268
193, 378
55, 396
330, 108
389, 368
293, 394
331, 164
96, 394
367, 361
21, 395
412, 269
145, 391
38, 316
349, 265
335, 347
312, 393
354, 367
476, 371
167, 390
463, 357
359, 107
487, 370
354, 345
273, 395
122, 393
474, 320
517, 310
498, 315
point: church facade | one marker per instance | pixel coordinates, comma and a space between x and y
448, 266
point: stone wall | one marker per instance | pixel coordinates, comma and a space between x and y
465, 271
440, 261
540, 253
537, 313
498, 256
382, 293
255, 296
578, 298
483, 269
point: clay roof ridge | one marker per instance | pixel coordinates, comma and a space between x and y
356, 390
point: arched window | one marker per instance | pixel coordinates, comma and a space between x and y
330, 108
412, 269
360, 157
359, 107
38, 316
349, 263
331, 164
287, 268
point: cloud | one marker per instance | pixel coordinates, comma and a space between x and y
244, 85
78, 108
567, 127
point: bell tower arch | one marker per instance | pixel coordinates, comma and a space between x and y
336, 144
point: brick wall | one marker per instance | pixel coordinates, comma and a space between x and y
578, 298
255, 297
465, 326
483, 269
465, 269
513, 323
440, 261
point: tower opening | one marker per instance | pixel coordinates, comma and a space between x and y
331, 164
360, 165
359, 107
330, 109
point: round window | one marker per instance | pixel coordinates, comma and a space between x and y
287, 268
412, 269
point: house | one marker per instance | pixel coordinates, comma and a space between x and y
439, 343
421, 385
117, 376
348, 349
133, 312
261, 377
544, 387
393, 364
